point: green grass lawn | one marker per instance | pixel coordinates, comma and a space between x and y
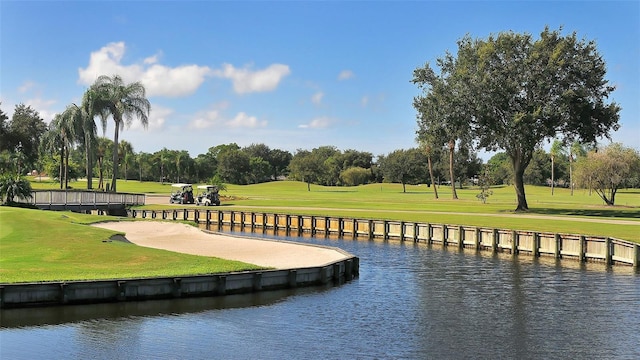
38, 245
580, 213
48, 246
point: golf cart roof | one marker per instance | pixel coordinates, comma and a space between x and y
205, 186
180, 185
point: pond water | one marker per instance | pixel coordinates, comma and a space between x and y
410, 301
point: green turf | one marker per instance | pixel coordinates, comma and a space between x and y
38, 245
580, 213
562, 213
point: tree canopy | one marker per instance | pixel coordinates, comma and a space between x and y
518, 92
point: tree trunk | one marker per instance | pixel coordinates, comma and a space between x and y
552, 174
115, 155
89, 172
452, 146
66, 168
518, 170
435, 190
61, 166
404, 187
571, 172
613, 197
100, 174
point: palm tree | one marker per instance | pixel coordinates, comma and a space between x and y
86, 129
12, 185
101, 151
125, 151
60, 137
123, 102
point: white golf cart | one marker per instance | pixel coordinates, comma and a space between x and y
182, 195
208, 196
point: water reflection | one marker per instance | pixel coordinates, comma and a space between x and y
64, 314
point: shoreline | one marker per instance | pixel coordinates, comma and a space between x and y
291, 265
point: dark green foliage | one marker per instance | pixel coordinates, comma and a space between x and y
405, 167
515, 91
12, 186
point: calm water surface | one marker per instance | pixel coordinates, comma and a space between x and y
410, 302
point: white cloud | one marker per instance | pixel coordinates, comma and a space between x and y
205, 119
317, 123
345, 75
151, 59
173, 82
159, 80
243, 120
28, 85
317, 97
247, 81
364, 101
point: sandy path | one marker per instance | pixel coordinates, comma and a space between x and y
190, 240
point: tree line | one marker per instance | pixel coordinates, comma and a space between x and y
507, 93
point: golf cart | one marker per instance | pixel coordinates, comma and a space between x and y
208, 196
182, 195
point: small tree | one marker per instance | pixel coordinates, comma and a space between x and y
484, 181
355, 176
608, 170
306, 166
404, 167
12, 185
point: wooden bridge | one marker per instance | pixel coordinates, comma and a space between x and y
82, 201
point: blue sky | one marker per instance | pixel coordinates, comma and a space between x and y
291, 75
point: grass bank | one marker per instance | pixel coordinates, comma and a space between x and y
38, 246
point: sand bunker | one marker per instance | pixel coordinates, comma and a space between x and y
190, 240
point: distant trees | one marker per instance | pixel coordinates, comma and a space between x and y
556, 151
515, 92
327, 165
306, 166
404, 166
355, 175
234, 166
608, 170
21, 135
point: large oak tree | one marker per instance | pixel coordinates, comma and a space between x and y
521, 91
